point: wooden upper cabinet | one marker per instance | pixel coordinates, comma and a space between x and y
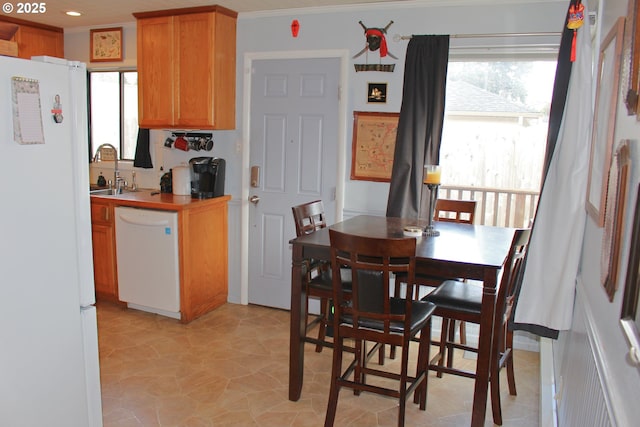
155, 71
186, 68
36, 39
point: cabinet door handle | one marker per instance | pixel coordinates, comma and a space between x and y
106, 213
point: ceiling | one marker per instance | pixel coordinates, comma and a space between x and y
97, 13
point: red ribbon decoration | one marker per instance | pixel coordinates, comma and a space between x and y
576, 19
383, 42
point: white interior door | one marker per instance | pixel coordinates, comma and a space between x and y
294, 143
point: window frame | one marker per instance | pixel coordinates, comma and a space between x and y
121, 115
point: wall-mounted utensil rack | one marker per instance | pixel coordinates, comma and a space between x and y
186, 141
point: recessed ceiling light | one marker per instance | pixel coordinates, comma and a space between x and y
73, 13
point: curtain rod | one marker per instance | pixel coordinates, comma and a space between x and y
398, 37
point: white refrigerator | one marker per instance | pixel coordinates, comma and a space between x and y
49, 370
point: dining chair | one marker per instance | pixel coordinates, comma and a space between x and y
448, 210
462, 211
457, 300
370, 314
452, 210
308, 218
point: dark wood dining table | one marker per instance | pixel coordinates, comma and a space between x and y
461, 250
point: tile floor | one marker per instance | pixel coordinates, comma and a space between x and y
230, 368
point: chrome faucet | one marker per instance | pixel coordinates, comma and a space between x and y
118, 181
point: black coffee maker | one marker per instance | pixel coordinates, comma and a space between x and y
207, 177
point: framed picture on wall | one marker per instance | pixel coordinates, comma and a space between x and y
106, 45
373, 147
604, 121
631, 59
377, 92
630, 317
614, 213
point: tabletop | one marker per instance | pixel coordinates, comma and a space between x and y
473, 245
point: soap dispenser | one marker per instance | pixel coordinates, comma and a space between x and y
102, 182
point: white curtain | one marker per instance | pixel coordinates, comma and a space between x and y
548, 285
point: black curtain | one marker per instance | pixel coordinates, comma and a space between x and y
559, 97
420, 124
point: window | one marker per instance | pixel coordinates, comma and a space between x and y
495, 126
113, 100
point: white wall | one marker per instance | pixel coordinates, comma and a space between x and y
622, 379
338, 28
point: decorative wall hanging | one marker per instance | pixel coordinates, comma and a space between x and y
377, 93
630, 72
374, 142
375, 39
106, 44
614, 218
295, 27
604, 119
630, 317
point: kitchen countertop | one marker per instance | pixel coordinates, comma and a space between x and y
152, 199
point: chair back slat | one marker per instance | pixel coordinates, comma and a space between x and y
510, 282
455, 211
372, 260
309, 217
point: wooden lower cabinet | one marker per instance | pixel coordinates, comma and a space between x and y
103, 233
202, 247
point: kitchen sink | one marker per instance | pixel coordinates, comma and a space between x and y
109, 191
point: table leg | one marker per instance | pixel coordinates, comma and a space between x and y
297, 327
484, 349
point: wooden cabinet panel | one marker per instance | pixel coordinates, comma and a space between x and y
186, 68
36, 39
104, 263
105, 276
155, 71
204, 260
194, 49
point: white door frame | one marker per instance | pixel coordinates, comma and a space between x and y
343, 55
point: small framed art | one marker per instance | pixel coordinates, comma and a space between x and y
377, 92
106, 45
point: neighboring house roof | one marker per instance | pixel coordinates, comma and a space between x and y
467, 98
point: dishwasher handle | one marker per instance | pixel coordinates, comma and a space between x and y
137, 220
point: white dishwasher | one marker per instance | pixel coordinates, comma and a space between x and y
147, 257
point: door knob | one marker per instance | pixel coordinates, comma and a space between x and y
254, 199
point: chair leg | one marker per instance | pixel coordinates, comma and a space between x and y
420, 394
381, 354
511, 379
496, 407
404, 370
360, 357
463, 333
443, 344
334, 389
322, 330
451, 327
